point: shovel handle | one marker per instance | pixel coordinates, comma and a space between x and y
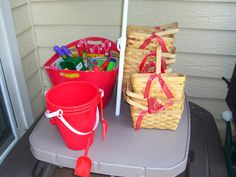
87, 146
103, 121
101, 105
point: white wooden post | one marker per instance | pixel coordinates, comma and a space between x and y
122, 44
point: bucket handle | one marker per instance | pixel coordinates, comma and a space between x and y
59, 115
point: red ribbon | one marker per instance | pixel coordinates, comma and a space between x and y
152, 64
159, 40
163, 65
148, 66
157, 27
153, 105
151, 54
144, 69
164, 87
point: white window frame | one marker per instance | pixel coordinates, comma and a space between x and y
13, 72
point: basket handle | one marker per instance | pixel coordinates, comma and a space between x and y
166, 26
137, 96
145, 108
164, 86
94, 43
144, 68
158, 59
133, 103
167, 32
131, 94
154, 106
59, 115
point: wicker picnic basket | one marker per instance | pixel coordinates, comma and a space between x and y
156, 103
171, 28
143, 61
149, 37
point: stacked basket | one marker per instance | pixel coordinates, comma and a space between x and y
141, 49
155, 95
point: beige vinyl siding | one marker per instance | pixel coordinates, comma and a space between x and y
17, 3
30, 66
18, 14
205, 44
38, 105
205, 65
21, 13
103, 12
25, 42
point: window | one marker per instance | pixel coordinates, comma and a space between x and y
6, 134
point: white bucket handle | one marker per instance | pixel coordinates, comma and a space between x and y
59, 115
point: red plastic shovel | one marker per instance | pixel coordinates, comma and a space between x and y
104, 122
83, 163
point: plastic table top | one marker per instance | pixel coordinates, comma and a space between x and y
124, 152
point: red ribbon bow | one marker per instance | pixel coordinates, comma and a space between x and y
153, 107
160, 41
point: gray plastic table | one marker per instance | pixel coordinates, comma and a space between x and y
125, 152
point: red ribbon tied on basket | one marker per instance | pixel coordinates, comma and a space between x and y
144, 68
153, 105
157, 27
160, 41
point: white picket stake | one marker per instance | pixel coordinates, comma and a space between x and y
122, 44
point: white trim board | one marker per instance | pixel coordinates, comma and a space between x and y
12, 65
13, 72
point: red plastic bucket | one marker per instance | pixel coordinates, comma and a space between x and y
74, 108
104, 79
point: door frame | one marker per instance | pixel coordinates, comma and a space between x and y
13, 72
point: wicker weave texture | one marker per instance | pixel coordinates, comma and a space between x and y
133, 58
167, 29
137, 35
135, 40
163, 120
159, 39
175, 82
177, 104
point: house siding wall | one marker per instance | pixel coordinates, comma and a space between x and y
21, 12
205, 44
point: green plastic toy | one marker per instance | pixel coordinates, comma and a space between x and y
111, 64
72, 63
